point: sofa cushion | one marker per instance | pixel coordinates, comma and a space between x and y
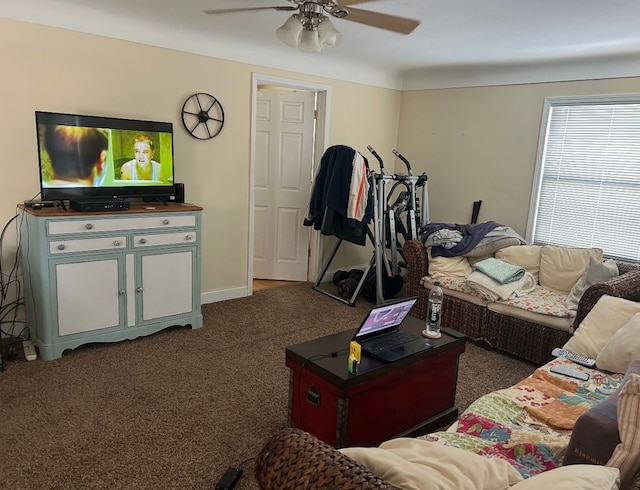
606, 317
595, 272
540, 300
417, 464
456, 287
448, 266
525, 256
622, 348
561, 267
583, 477
626, 456
557, 323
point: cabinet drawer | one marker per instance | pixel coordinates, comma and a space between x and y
87, 245
100, 225
164, 239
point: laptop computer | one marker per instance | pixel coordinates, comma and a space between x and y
380, 335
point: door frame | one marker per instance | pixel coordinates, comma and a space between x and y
321, 142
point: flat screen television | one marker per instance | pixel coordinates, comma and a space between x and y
84, 157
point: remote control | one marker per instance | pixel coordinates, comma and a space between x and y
573, 373
583, 361
229, 479
454, 333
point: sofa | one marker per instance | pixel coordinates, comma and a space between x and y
547, 431
479, 452
528, 325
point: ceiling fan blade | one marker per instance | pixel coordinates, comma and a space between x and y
246, 9
383, 21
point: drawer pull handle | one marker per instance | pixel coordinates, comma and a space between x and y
143, 240
188, 237
62, 246
139, 290
121, 292
88, 226
165, 222
117, 243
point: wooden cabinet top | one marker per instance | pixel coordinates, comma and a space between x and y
136, 208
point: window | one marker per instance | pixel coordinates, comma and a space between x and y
586, 190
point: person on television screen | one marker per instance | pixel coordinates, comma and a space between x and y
78, 155
142, 167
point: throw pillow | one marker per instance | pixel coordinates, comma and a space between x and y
595, 272
417, 464
606, 317
561, 267
448, 266
626, 456
576, 476
622, 348
525, 256
595, 435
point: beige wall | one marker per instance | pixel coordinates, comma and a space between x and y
474, 143
56, 70
481, 143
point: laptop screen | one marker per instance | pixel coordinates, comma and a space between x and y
385, 317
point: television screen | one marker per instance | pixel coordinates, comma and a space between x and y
84, 157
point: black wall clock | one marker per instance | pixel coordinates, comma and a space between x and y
202, 116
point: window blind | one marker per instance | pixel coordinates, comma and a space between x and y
589, 178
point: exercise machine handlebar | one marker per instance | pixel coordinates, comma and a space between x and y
375, 154
404, 160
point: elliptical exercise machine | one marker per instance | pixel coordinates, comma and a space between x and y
382, 277
393, 220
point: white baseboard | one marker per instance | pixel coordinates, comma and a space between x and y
243, 291
224, 294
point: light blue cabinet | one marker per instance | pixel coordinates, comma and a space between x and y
106, 277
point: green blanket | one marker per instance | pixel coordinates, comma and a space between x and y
499, 271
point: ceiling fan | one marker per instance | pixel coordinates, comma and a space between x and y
310, 29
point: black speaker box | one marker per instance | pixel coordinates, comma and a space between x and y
179, 192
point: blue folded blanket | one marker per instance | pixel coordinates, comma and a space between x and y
499, 271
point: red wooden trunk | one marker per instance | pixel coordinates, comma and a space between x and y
390, 400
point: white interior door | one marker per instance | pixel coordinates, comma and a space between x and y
284, 142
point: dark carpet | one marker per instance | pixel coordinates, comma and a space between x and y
177, 408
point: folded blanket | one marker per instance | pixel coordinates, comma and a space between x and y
499, 271
491, 290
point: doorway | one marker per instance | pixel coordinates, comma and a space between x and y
283, 163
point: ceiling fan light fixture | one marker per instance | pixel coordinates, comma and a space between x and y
309, 41
329, 35
289, 32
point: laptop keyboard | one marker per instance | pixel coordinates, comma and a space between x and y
389, 341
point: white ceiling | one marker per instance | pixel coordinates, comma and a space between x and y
458, 43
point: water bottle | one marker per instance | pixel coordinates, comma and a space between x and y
434, 311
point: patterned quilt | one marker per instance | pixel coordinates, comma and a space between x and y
530, 423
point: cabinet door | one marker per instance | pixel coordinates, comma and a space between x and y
88, 296
166, 283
